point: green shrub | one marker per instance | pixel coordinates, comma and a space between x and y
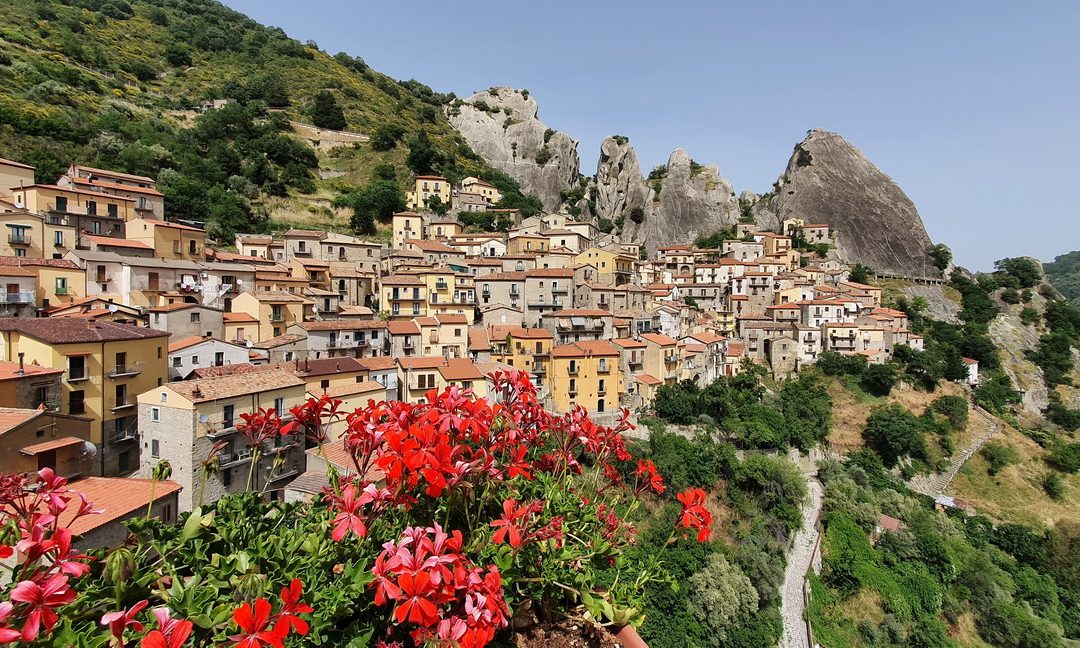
1010, 296
1029, 316
1054, 487
1065, 456
637, 214
953, 408
1027, 272
878, 379
894, 433
832, 363
543, 156
998, 456
860, 274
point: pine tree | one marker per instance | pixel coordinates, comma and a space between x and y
326, 113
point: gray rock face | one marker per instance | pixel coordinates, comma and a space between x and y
686, 201
829, 181
503, 127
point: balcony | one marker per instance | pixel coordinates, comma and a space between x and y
17, 298
125, 371
227, 428
277, 317
301, 252
604, 368
61, 290
129, 433
539, 369
560, 290
573, 371
230, 459
573, 391
440, 285
76, 376
19, 239
124, 403
600, 391
433, 338
408, 343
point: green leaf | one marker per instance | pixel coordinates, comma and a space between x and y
193, 525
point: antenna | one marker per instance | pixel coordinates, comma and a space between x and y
113, 308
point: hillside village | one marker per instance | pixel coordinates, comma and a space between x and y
133, 332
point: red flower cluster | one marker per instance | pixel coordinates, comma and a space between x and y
46, 560
648, 478
262, 425
435, 587
516, 524
314, 416
259, 627
351, 517
694, 514
170, 633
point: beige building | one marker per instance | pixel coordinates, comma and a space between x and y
107, 365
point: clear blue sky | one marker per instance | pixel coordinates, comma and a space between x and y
972, 107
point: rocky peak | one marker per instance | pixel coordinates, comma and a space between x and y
503, 126
679, 201
828, 180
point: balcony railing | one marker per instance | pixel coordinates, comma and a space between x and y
227, 428
407, 343
604, 368
129, 433
61, 290
277, 317
124, 403
19, 239
234, 458
77, 376
303, 253
559, 290
17, 298
539, 369
125, 371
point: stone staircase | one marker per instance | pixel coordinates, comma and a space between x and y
935, 484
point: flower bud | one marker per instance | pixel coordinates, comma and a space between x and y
119, 566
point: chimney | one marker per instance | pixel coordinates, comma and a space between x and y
21, 370
307, 367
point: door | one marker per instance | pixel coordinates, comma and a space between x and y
47, 459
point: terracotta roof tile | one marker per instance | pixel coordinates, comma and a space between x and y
72, 331
219, 387
117, 497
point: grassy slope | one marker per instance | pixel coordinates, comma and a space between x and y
33, 43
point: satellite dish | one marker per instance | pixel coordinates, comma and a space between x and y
88, 449
239, 282
249, 344
113, 308
203, 418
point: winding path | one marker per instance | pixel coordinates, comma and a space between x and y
800, 560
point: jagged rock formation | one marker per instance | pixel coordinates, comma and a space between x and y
683, 201
828, 180
502, 126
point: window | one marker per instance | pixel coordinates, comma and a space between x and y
41, 395
164, 397
113, 210
155, 448
425, 381
121, 361
219, 358
228, 416
325, 384
58, 239
77, 367
62, 204
61, 285
279, 405
159, 353
226, 477
120, 395
603, 366
123, 462
195, 317
193, 246
155, 414
76, 402
101, 274
177, 361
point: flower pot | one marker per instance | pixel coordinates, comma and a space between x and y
629, 637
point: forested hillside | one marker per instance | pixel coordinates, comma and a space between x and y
116, 84
1064, 274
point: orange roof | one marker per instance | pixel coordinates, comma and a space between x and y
579, 312
117, 497
585, 349
110, 172
11, 417
186, 342
736, 349
478, 340
629, 343
116, 186
378, 363
118, 242
403, 327
10, 370
501, 276
161, 223
238, 318
460, 369
657, 338
550, 272
81, 192
15, 271
647, 379
451, 318
432, 246
54, 444
526, 333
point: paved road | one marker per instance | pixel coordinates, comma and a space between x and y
792, 605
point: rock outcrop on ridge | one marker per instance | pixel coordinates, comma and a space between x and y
502, 125
828, 180
678, 202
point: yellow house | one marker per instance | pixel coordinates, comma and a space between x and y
485, 189
405, 225
35, 236
527, 244
587, 374
240, 327
107, 366
59, 281
425, 189
444, 227
404, 295
41, 198
661, 357
440, 285
169, 240
527, 349
611, 265
274, 310
14, 174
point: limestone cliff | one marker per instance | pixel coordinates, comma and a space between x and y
679, 201
828, 180
502, 125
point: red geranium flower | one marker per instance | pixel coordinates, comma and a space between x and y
648, 477
254, 621
291, 605
694, 514
41, 599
